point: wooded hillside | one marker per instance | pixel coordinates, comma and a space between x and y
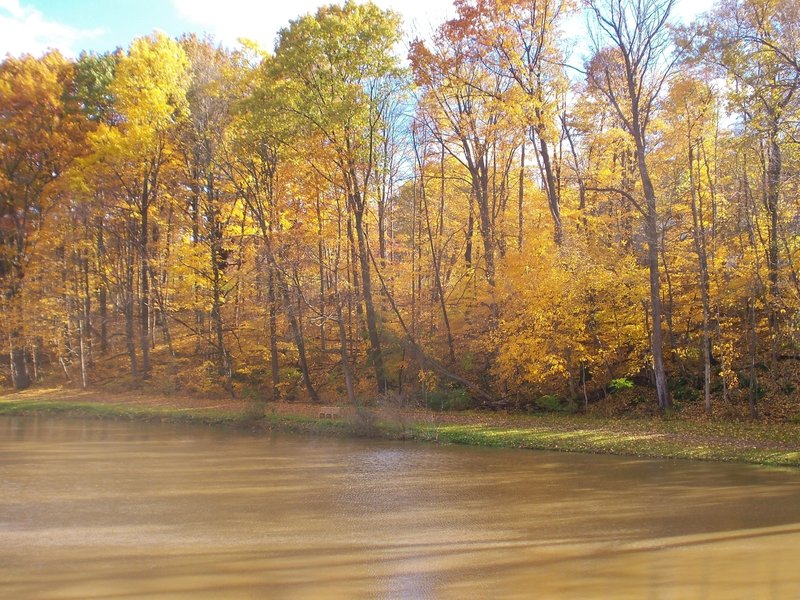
484, 223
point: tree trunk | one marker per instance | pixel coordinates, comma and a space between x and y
520, 198
144, 282
470, 230
376, 354
550, 188
773, 180
321, 266
699, 238
19, 368
297, 334
215, 247
294, 326
82, 352
753, 335
87, 308
437, 275
657, 338
480, 188
102, 294
345, 357
128, 309
353, 272
273, 334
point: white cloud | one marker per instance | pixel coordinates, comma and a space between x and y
23, 29
261, 20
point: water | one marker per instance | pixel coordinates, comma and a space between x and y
97, 509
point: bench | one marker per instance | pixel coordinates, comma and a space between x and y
329, 412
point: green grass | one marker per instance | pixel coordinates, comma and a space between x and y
633, 438
654, 438
122, 411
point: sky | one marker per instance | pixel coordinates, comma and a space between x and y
33, 26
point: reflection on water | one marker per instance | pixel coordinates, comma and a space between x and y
95, 509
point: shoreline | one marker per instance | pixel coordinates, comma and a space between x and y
655, 437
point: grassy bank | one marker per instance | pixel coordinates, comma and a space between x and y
643, 440
746, 442
121, 412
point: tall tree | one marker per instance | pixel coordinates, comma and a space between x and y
149, 90
520, 39
630, 68
255, 158
210, 98
757, 43
37, 143
463, 107
340, 76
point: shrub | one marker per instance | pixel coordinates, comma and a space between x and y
549, 403
682, 390
364, 423
455, 399
622, 383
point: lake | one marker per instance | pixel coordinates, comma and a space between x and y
107, 509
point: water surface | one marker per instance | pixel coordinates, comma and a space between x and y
99, 509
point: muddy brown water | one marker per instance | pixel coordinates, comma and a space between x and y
100, 509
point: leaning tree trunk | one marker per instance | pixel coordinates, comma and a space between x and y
550, 183
297, 334
376, 354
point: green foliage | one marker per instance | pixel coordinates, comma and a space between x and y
619, 384
333, 72
290, 380
94, 74
252, 394
549, 403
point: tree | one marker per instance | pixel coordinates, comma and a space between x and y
210, 97
149, 91
37, 130
631, 73
691, 113
520, 39
463, 106
756, 42
255, 156
340, 76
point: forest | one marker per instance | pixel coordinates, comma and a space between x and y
473, 217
